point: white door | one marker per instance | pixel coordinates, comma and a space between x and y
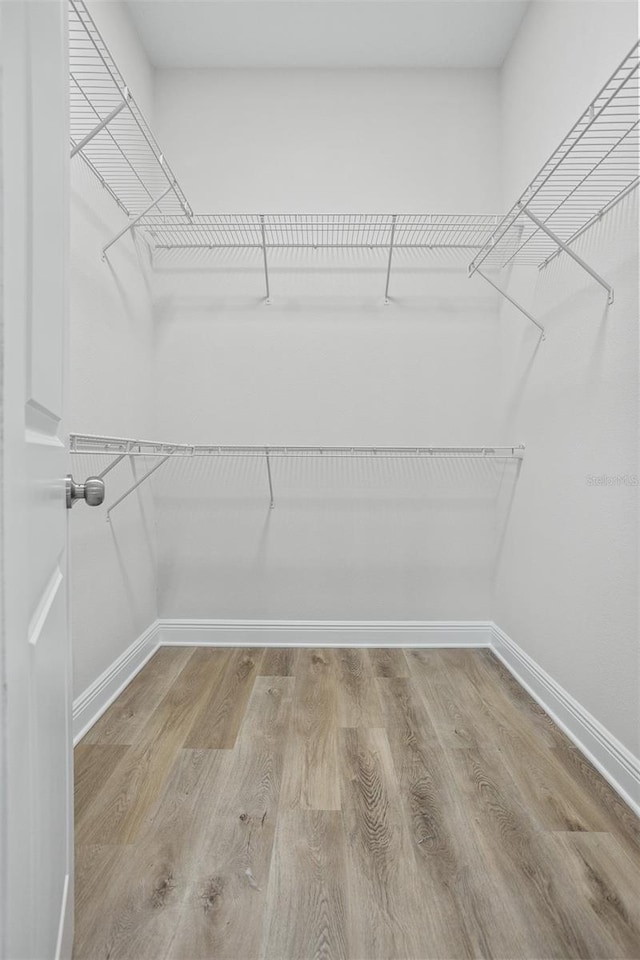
37, 822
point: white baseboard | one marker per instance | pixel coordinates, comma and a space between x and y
614, 761
325, 633
91, 704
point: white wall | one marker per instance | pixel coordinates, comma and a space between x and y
327, 362
567, 580
330, 141
113, 598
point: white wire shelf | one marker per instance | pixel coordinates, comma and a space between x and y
108, 130
117, 448
282, 231
594, 167
317, 231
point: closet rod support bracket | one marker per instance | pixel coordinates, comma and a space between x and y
135, 486
392, 238
264, 259
567, 249
133, 222
100, 126
268, 462
511, 300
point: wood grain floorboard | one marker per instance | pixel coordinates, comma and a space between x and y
216, 724
278, 662
358, 702
223, 913
93, 765
349, 804
310, 779
119, 809
305, 917
127, 715
388, 662
137, 907
385, 909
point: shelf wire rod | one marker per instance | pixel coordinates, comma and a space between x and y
585, 226
103, 123
566, 198
571, 253
118, 147
511, 300
271, 499
135, 220
574, 136
135, 486
264, 257
393, 234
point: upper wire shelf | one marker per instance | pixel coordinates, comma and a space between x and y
316, 231
117, 448
108, 129
594, 167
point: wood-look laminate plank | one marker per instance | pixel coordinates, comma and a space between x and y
278, 662
450, 819
146, 884
385, 908
358, 702
305, 916
223, 912
118, 812
388, 662
216, 724
93, 765
127, 715
310, 780
551, 922
620, 820
606, 886
471, 911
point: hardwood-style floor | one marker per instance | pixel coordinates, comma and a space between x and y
288, 804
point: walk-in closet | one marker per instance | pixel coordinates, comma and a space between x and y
320, 575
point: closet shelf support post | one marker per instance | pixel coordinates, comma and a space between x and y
515, 303
135, 486
567, 249
133, 222
393, 234
271, 500
264, 257
103, 123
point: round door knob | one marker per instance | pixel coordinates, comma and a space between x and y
91, 491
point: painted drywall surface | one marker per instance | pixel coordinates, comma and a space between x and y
566, 581
113, 566
327, 362
330, 141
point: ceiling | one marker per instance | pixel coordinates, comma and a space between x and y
327, 33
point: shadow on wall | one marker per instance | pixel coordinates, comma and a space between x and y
403, 538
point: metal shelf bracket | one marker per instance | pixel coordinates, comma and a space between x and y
511, 300
271, 500
135, 486
567, 249
100, 126
264, 257
135, 220
393, 234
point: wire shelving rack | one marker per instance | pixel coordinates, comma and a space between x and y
592, 170
109, 132
118, 448
298, 231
